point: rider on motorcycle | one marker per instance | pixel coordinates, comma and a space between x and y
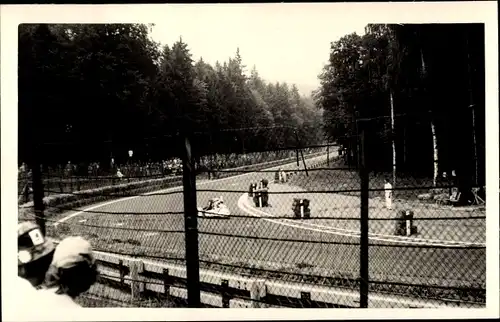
214, 203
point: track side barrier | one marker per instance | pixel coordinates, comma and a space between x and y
142, 278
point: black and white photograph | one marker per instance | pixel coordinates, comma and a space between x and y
251, 156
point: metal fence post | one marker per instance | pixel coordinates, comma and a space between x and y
299, 146
191, 226
297, 156
328, 155
364, 252
38, 189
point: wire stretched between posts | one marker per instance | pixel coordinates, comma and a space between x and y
173, 190
75, 179
139, 255
274, 171
116, 213
327, 242
112, 227
166, 213
348, 218
455, 288
315, 191
179, 190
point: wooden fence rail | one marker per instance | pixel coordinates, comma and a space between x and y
141, 278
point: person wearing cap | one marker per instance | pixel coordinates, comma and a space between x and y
72, 272
35, 253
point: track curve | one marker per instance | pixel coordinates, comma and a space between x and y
255, 241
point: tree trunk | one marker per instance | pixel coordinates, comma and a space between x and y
404, 148
474, 142
435, 155
393, 143
433, 130
471, 105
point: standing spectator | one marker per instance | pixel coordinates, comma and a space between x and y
119, 174
388, 193
454, 179
69, 169
24, 179
22, 170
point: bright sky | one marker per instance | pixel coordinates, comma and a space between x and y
286, 43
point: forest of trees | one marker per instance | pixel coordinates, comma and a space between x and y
430, 78
87, 92
90, 91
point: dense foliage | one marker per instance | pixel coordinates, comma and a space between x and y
434, 73
89, 92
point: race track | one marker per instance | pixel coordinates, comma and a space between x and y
254, 241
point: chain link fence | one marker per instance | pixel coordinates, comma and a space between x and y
275, 228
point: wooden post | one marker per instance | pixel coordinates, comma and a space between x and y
258, 292
225, 293
305, 298
121, 269
166, 282
136, 283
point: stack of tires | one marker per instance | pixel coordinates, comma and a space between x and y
277, 177
251, 189
301, 208
261, 194
404, 224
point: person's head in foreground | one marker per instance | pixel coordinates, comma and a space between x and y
73, 269
35, 253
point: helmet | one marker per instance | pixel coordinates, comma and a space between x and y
32, 244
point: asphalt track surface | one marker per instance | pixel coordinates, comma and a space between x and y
140, 225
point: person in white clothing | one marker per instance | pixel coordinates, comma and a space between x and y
72, 272
388, 194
